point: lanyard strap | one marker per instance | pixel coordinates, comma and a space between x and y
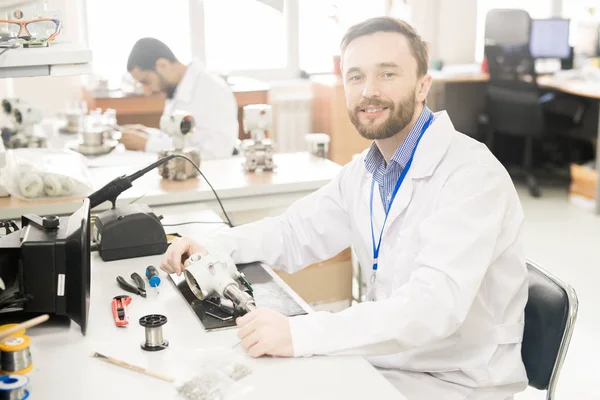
396, 188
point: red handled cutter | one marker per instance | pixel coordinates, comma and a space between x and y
119, 309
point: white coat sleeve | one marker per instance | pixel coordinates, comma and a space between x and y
314, 228
157, 141
457, 244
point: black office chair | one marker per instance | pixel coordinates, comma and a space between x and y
513, 98
550, 316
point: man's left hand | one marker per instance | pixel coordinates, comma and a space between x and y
265, 332
134, 139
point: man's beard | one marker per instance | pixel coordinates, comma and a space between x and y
167, 88
396, 121
170, 91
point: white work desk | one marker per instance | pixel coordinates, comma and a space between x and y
296, 175
64, 369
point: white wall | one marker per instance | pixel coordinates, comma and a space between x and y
52, 94
449, 26
456, 31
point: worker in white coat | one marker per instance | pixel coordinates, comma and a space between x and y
435, 222
188, 88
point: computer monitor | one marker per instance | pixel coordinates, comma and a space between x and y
550, 38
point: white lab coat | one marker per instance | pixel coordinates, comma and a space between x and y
451, 287
213, 105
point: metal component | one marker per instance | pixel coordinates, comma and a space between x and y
318, 144
217, 275
12, 387
179, 125
179, 169
227, 318
27, 133
241, 299
154, 335
258, 150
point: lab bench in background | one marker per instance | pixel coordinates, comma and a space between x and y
146, 110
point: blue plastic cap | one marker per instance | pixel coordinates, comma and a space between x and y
154, 281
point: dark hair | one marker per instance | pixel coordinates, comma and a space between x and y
388, 24
146, 51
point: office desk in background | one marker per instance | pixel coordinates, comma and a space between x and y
146, 110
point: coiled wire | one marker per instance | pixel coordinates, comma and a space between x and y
154, 337
16, 355
12, 387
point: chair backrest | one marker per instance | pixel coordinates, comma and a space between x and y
550, 316
512, 95
507, 27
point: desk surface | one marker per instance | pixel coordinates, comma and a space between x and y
578, 87
63, 368
297, 174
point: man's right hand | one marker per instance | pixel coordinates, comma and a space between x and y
134, 137
139, 128
176, 257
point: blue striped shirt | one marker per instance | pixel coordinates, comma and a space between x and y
387, 175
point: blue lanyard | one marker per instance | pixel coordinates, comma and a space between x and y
398, 184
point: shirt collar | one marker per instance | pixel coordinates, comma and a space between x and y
185, 88
374, 160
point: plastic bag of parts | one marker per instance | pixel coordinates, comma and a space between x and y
219, 375
36, 173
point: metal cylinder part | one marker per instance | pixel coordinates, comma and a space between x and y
12, 387
154, 337
16, 356
240, 298
154, 340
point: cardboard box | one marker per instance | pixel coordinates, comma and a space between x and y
582, 191
583, 181
327, 282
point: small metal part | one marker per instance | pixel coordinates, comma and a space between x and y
239, 298
154, 335
227, 318
179, 169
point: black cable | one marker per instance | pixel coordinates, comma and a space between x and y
213, 190
196, 222
112, 190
